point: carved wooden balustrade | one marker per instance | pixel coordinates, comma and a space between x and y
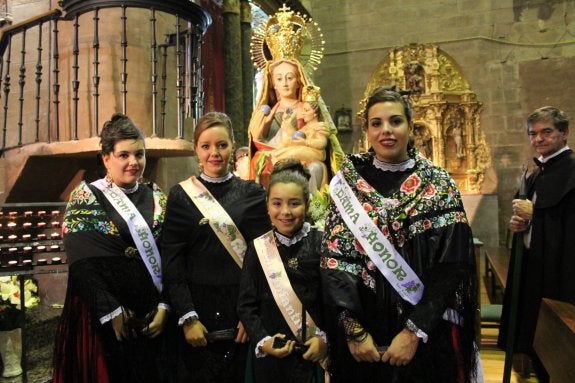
65, 72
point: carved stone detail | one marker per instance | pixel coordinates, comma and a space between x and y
446, 112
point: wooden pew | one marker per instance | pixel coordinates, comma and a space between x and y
555, 340
496, 268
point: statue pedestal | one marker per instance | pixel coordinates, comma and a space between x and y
482, 211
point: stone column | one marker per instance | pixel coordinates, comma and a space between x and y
247, 71
233, 65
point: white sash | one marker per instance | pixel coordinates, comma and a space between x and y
218, 219
284, 295
139, 229
381, 252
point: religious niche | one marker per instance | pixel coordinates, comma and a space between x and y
422, 139
446, 112
414, 78
343, 119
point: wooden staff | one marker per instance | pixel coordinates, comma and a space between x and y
516, 282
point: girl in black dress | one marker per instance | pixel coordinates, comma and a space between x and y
282, 353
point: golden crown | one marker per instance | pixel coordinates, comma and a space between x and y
284, 36
310, 93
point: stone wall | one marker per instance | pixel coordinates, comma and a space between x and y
516, 54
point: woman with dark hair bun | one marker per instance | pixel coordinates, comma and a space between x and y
398, 265
114, 315
280, 286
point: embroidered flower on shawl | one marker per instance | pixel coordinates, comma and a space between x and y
358, 246
400, 240
82, 195
336, 229
410, 184
160, 200
107, 227
364, 186
410, 211
429, 191
385, 231
331, 263
367, 207
332, 246
370, 265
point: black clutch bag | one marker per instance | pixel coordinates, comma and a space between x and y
220, 335
281, 342
140, 323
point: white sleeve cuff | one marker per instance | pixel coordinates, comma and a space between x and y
112, 315
164, 306
416, 330
191, 314
259, 352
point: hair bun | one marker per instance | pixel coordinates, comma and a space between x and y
291, 164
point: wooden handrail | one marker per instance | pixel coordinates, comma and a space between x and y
24, 25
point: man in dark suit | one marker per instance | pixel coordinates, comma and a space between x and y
546, 219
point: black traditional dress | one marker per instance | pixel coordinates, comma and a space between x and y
261, 315
548, 267
418, 208
103, 279
201, 276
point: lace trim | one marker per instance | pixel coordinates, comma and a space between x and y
288, 241
400, 167
112, 315
216, 180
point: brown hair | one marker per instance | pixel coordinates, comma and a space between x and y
388, 94
210, 120
556, 116
290, 171
119, 127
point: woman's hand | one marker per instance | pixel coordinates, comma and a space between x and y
156, 326
119, 325
242, 336
365, 350
402, 349
317, 349
282, 352
195, 334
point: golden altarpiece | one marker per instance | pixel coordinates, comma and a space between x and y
445, 111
